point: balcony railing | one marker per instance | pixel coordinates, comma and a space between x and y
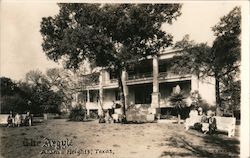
113, 80
140, 76
144, 77
147, 75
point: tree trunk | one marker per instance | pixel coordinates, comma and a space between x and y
217, 94
121, 91
217, 89
101, 99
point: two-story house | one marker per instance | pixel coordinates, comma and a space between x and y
149, 83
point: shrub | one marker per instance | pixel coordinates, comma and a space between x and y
205, 106
77, 114
177, 100
199, 102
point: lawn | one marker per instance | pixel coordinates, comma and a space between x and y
61, 138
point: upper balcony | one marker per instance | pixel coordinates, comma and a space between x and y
142, 78
143, 73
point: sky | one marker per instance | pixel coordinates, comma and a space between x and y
21, 49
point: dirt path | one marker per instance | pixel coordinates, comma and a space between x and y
90, 139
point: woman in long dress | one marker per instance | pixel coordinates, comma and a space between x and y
18, 120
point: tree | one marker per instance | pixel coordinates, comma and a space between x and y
231, 95
39, 91
12, 96
177, 100
8, 87
221, 61
36, 78
13, 103
226, 49
110, 35
192, 59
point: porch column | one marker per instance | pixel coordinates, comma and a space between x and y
88, 101
88, 96
155, 104
125, 87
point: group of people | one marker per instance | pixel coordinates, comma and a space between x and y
208, 121
108, 114
18, 120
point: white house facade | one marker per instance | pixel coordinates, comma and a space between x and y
149, 83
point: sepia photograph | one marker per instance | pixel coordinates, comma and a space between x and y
107, 79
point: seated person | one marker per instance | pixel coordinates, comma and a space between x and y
200, 111
212, 123
204, 123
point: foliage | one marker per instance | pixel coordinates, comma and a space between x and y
13, 103
35, 78
222, 61
11, 97
8, 87
77, 114
231, 95
192, 59
93, 31
42, 98
226, 50
108, 35
61, 82
35, 94
177, 100
199, 102
226, 47
67, 83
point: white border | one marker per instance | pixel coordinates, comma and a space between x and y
245, 95
244, 130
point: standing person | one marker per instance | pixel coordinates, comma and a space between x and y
107, 116
112, 110
28, 119
18, 120
10, 119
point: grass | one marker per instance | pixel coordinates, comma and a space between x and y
90, 139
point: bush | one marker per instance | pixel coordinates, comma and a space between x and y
13, 103
77, 114
205, 106
199, 102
